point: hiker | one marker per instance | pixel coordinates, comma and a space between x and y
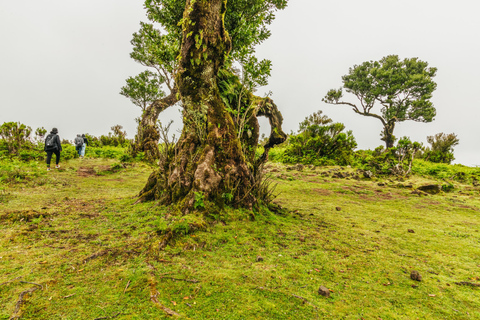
53, 145
79, 144
85, 144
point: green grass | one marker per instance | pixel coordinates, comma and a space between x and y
77, 233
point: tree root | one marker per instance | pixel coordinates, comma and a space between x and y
466, 283
17, 313
186, 280
154, 294
1, 284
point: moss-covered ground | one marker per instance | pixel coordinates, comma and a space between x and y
73, 245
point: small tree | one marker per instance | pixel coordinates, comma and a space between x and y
441, 150
401, 89
15, 135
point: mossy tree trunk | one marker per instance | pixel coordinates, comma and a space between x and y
208, 162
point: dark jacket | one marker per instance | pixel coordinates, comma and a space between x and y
57, 145
85, 141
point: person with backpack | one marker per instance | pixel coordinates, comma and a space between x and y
79, 144
53, 145
85, 144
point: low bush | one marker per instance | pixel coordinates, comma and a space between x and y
320, 141
441, 150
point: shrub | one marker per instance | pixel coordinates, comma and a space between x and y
441, 150
320, 142
394, 161
15, 136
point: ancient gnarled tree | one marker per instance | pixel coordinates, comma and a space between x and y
206, 58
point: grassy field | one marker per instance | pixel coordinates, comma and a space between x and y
74, 246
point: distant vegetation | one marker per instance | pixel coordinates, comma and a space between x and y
17, 142
319, 142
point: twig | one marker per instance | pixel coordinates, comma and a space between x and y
187, 280
126, 287
168, 311
301, 298
466, 283
70, 295
110, 317
13, 280
39, 285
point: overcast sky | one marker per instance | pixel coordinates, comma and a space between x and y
63, 62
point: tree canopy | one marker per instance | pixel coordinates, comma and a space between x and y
400, 89
143, 89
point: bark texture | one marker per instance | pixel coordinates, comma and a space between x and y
387, 134
146, 139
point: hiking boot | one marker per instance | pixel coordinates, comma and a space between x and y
57, 166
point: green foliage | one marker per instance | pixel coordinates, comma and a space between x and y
397, 160
401, 88
441, 150
14, 136
245, 21
16, 141
16, 171
320, 141
143, 89
199, 202
116, 138
456, 172
40, 132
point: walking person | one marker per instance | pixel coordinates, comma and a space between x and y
79, 144
85, 144
53, 145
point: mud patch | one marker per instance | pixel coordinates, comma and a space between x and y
94, 171
86, 171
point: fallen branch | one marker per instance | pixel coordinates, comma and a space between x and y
466, 283
187, 280
21, 300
